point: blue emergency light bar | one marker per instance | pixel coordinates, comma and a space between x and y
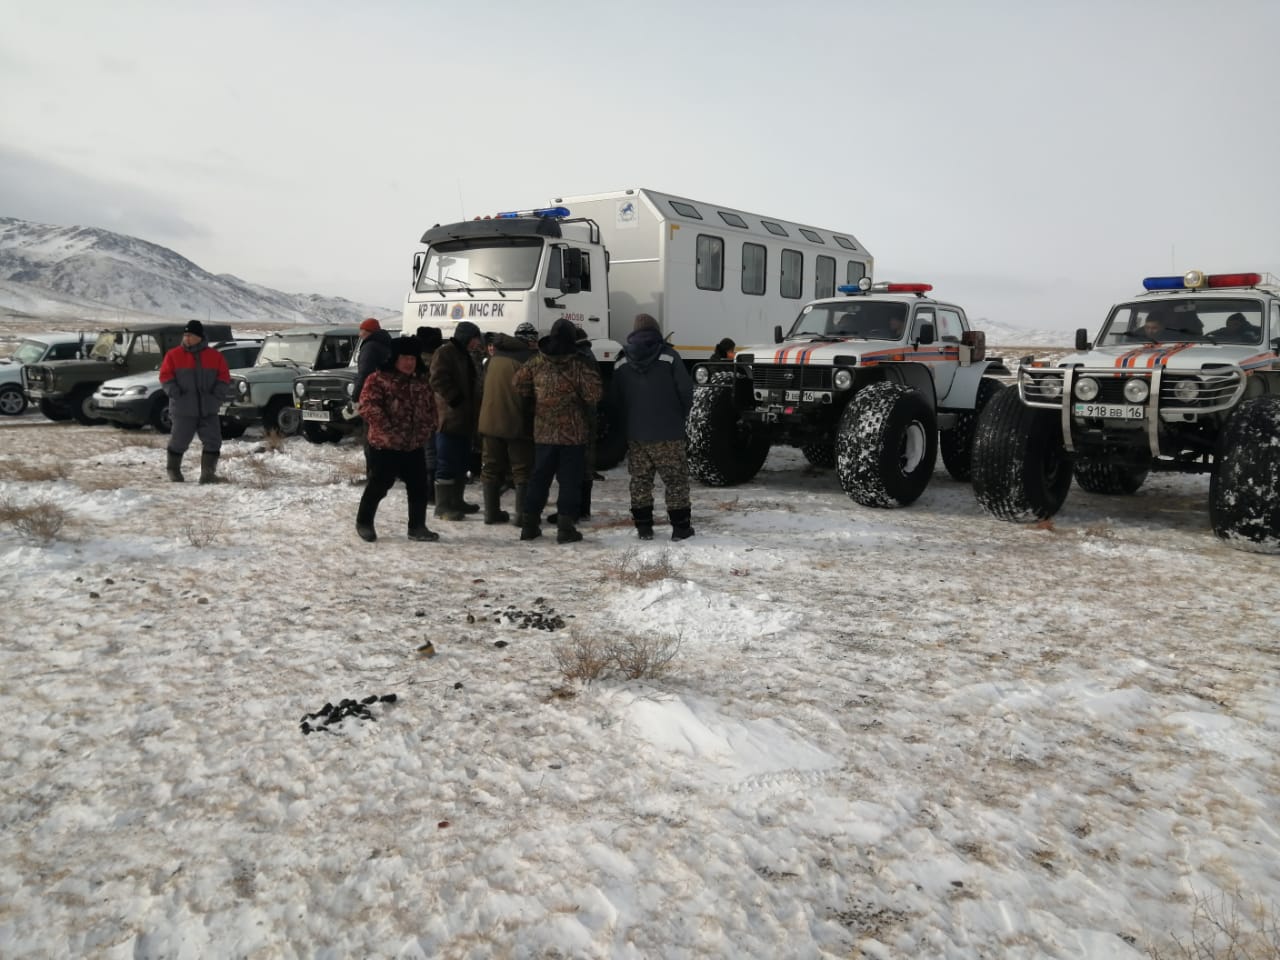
543, 212
1194, 280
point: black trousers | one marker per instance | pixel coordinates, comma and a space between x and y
567, 465
385, 468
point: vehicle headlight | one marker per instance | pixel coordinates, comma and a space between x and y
843, 379
701, 374
138, 391
1186, 390
351, 389
1086, 389
242, 387
1137, 390
299, 388
1051, 387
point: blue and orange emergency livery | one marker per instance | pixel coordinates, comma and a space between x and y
810, 389
1183, 377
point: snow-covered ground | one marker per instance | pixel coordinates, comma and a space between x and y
908, 733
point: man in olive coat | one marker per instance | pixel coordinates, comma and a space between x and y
506, 423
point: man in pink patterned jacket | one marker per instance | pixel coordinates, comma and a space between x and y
399, 410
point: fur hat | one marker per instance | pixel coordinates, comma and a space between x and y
370, 324
430, 338
406, 347
464, 331
196, 327
527, 331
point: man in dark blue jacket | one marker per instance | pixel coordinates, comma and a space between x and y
651, 393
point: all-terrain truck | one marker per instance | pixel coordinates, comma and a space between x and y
1183, 377
872, 382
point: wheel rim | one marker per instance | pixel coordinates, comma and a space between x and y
87, 408
289, 420
11, 402
914, 442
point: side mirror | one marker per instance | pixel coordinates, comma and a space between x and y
1082, 339
418, 259
570, 270
926, 334
777, 333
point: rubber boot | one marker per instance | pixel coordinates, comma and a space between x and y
209, 467
173, 467
566, 532
448, 496
531, 529
431, 486
463, 504
643, 517
493, 512
364, 521
584, 508
518, 518
418, 521
680, 526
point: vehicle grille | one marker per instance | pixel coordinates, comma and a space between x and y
1215, 390
325, 388
790, 377
109, 391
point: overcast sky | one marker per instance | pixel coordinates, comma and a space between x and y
1033, 161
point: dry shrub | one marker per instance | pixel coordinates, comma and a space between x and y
273, 441
346, 474
203, 532
42, 520
733, 504
32, 472
1220, 932
262, 473
632, 568
631, 656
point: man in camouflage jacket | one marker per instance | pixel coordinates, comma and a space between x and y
565, 388
399, 408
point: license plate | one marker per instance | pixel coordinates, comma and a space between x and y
1111, 411
105, 402
322, 415
791, 396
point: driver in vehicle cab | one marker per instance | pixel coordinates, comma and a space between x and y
897, 326
1236, 329
1154, 327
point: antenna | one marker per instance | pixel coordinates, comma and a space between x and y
462, 212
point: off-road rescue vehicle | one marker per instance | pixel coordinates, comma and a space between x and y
702, 270
872, 383
1183, 377
65, 388
263, 393
325, 398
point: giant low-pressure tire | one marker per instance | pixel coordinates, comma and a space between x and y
724, 450
820, 453
1096, 474
886, 445
12, 400
160, 418
956, 444
1244, 490
54, 411
82, 406
1021, 469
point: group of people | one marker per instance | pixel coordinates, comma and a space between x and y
532, 403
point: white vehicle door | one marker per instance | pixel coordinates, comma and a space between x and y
944, 370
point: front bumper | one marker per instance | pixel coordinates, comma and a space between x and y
339, 415
135, 410
242, 413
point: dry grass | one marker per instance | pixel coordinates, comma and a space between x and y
42, 520
263, 473
273, 441
203, 532
32, 472
346, 474
631, 568
587, 658
1220, 931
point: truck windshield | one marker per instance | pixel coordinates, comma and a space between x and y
490, 263
1204, 320
864, 319
30, 351
301, 348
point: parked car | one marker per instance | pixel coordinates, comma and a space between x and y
34, 349
137, 400
64, 388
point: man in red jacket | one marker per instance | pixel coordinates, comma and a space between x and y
196, 379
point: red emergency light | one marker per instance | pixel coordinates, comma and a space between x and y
902, 287
1233, 279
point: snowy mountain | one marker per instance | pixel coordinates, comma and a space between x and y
86, 272
1006, 335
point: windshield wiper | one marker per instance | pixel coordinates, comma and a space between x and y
495, 284
462, 284
439, 285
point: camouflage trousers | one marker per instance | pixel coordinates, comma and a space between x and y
667, 459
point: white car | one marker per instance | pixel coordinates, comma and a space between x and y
33, 349
138, 399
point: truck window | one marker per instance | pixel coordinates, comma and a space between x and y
854, 271
824, 278
732, 219
923, 315
811, 235
685, 210
755, 259
145, 344
777, 229
950, 326
846, 242
554, 269
791, 280
709, 270
65, 351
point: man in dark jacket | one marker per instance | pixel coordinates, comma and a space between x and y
400, 408
454, 380
196, 380
429, 339
506, 423
652, 393
374, 354
564, 387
